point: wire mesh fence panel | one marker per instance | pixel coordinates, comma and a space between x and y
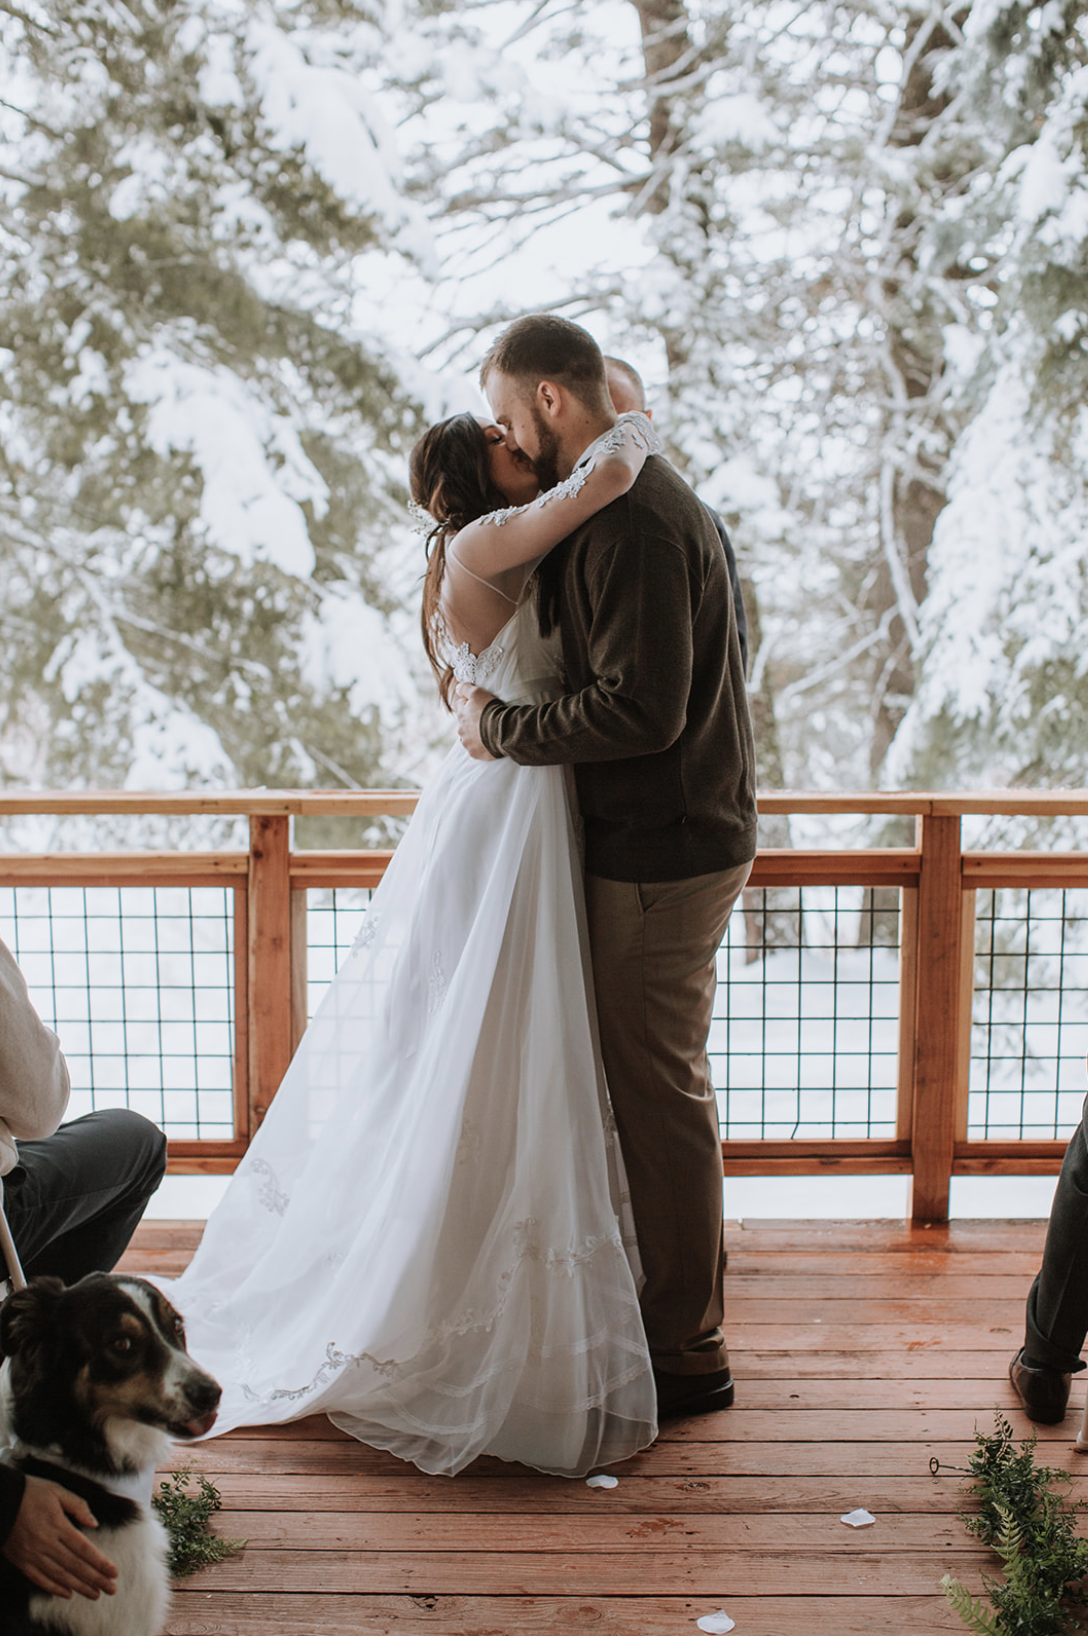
1029, 1015
138, 982
804, 1041
334, 918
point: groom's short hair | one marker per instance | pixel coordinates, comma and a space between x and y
542, 347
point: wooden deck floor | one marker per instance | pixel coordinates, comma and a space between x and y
860, 1351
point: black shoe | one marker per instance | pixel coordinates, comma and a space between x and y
1043, 1392
679, 1395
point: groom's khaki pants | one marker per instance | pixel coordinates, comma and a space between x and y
654, 948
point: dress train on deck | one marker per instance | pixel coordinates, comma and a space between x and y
424, 1238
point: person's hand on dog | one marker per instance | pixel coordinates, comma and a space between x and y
49, 1549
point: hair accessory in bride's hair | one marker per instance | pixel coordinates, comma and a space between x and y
422, 521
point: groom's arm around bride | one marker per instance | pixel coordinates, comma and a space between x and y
655, 723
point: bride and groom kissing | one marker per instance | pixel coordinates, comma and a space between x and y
484, 1213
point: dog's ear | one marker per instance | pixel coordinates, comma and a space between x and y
27, 1316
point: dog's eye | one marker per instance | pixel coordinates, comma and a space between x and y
123, 1343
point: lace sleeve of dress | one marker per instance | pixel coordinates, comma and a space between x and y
633, 427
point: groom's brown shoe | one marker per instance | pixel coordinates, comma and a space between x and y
1043, 1392
679, 1395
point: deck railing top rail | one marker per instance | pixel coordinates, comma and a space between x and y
391, 803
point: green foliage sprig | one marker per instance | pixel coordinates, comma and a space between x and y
185, 1516
1030, 1525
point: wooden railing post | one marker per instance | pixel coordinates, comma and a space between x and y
299, 966
269, 960
938, 1002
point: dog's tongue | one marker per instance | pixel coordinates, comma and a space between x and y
197, 1428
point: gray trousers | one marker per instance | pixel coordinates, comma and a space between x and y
1057, 1309
75, 1198
654, 949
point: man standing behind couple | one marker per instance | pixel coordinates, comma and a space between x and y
655, 724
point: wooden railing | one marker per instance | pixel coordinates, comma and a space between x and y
937, 881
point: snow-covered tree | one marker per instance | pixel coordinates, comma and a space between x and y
811, 217
1004, 691
766, 176
845, 243
203, 433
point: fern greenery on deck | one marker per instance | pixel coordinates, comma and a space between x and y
186, 1516
1030, 1524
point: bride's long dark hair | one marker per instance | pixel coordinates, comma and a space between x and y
450, 478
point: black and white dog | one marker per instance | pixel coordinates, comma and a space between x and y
95, 1385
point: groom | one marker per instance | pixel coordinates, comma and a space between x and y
655, 723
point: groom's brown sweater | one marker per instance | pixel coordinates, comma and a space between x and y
655, 721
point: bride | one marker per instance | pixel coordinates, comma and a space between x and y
423, 1240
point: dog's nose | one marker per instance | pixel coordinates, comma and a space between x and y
203, 1394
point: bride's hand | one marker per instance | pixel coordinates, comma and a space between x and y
469, 703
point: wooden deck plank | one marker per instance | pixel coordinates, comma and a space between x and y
315, 1614
917, 1362
612, 1530
909, 1366
845, 1426
887, 1237
678, 1572
861, 1351
749, 1423
696, 1460
769, 1266
800, 1397
979, 1391
961, 1336
806, 1286
924, 1314
530, 1496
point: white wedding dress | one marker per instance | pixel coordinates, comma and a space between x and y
423, 1240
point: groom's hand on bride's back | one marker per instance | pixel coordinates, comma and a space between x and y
469, 702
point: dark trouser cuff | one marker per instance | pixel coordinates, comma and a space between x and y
1043, 1352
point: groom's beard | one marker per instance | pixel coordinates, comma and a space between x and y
546, 459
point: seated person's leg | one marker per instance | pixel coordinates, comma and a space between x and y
75, 1198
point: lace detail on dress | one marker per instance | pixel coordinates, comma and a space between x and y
368, 931
566, 490
560, 1261
335, 1360
526, 1248
610, 442
270, 1193
639, 425
475, 668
